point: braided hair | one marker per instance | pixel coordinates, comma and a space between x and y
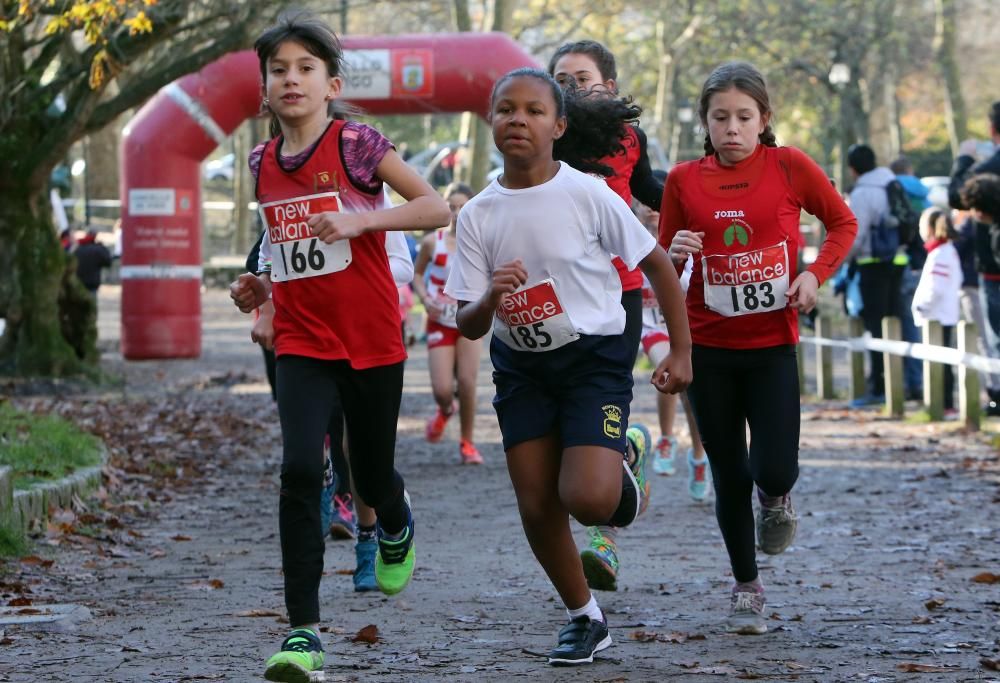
746, 78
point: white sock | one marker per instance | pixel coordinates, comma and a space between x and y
590, 610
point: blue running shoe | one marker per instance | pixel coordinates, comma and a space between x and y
327, 494
699, 476
665, 456
364, 572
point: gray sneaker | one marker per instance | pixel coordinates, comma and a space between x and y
746, 614
776, 527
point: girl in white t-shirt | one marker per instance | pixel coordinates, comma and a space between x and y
937, 296
533, 261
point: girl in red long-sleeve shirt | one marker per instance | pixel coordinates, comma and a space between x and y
736, 210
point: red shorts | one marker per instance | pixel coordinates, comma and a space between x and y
441, 335
652, 338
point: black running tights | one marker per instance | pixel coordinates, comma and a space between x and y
732, 388
309, 392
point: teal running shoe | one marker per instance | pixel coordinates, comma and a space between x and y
699, 476
301, 653
600, 561
364, 572
640, 443
665, 456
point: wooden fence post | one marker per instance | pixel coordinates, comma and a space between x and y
892, 331
934, 373
824, 361
968, 379
856, 328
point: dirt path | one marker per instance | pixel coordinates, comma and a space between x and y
896, 520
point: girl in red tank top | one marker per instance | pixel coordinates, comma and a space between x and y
453, 360
336, 321
587, 67
736, 212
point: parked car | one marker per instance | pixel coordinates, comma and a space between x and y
219, 169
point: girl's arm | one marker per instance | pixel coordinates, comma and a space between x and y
424, 209
474, 319
420, 266
673, 374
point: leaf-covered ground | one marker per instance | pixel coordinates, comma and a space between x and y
895, 574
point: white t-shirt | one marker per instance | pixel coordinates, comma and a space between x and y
565, 229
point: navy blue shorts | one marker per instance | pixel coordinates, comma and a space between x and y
582, 391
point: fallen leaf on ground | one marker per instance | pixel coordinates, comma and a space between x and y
258, 613
934, 603
19, 602
910, 668
673, 637
211, 585
180, 537
34, 559
991, 664
986, 577
344, 572
368, 634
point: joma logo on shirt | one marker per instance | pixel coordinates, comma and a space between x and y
729, 214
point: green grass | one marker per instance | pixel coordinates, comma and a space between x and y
12, 543
43, 447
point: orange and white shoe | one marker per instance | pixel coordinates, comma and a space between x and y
470, 454
436, 425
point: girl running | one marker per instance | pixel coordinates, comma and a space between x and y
319, 186
589, 68
736, 211
450, 356
533, 261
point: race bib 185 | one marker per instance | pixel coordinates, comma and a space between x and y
751, 282
295, 252
533, 319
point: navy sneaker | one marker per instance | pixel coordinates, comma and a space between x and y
343, 523
579, 640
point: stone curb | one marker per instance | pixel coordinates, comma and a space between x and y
19, 509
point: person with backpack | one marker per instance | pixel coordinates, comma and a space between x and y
916, 194
886, 221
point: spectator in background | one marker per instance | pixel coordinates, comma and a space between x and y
91, 258
916, 193
981, 195
965, 165
937, 294
880, 279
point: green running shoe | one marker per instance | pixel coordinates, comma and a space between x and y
600, 561
301, 653
395, 561
640, 441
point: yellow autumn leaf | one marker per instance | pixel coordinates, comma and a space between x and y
140, 23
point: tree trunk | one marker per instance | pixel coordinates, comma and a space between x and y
944, 48
102, 163
40, 300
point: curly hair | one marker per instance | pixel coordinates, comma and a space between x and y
594, 126
982, 192
746, 78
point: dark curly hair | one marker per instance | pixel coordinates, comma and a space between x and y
594, 126
982, 192
746, 78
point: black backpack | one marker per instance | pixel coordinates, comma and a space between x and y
900, 227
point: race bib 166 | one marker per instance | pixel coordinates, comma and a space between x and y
295, 252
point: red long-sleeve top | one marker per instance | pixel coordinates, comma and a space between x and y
751, 209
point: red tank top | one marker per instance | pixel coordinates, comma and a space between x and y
351, 314
748, 258
622, 164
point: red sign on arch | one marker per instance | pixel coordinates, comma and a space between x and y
412, 73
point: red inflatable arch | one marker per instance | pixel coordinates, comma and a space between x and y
164, 145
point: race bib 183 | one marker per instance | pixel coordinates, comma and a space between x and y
295, 252
533, 319
751, 282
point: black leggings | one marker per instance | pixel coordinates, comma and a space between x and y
310, 391
731, 388
632, 303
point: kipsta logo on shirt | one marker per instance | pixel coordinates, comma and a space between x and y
612, 421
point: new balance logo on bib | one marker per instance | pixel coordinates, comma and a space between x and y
533, 319
749, 282
296, 252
